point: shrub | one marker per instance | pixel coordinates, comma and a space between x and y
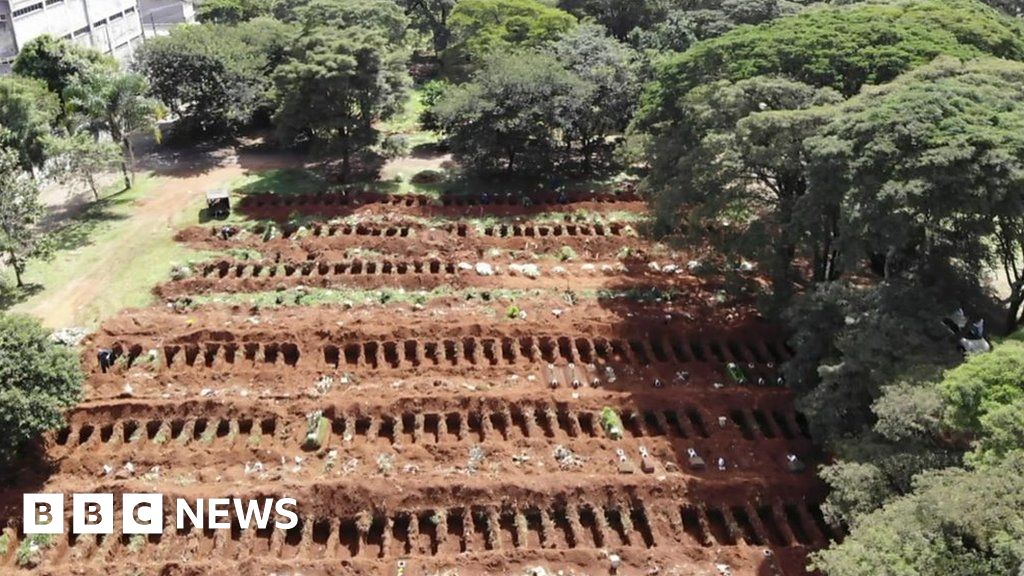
39, 380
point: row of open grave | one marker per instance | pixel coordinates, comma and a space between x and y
462, 230
553, 524
351, 198
230, 269
582, 353
94, 427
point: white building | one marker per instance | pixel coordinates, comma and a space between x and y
110, 26
159, 16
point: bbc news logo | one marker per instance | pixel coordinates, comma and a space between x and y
144, 513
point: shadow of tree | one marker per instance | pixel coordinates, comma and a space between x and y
285, 181
11, 295
77, 232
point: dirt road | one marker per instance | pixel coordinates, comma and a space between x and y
153, 220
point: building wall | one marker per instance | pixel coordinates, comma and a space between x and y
7, 45
110, 26
159, 16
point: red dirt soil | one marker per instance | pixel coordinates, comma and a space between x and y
461, 441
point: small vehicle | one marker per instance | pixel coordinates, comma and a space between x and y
218, 203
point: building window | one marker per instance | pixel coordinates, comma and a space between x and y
53, 2
3, 21
27, 9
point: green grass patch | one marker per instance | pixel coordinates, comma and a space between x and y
30, 551
110, 251
360, 297
136, 543
407, 122
286, 181
355, 296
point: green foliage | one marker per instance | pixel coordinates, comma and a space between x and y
612, 423
346, 70
857, 489
28, 113
482, 28
969, 523
842, 47
30, 550
983, 383
59, 63
736, 156
853, 340
505, 119
83, 158
654, 23
430, 94
232, 11
432, 16
606, 97
984, 400
620, 17
38, 381
21, 238
383, 16
922, 171
115, 103
531, 111
215, 77
335, 84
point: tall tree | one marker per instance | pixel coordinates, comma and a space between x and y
28, 115
384, 16
736, 163
481, 28
433, 15
216, 78
83, 158
620, 17
21, 238
607, 69
927, 170
59, 63
232, 11
117, 104
508, 117
335, 84
842, 47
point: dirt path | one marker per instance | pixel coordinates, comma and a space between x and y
153, 219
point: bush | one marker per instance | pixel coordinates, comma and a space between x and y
39, 379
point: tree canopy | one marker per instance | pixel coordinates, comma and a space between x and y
340, 76
216, 77
841, 47
484, 27
28, 112
505, 119
966, 522
59, 63
38, 381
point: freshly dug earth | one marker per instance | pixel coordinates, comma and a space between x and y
497, 435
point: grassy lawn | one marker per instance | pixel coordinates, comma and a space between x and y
407, 122
106, 258
282, 182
